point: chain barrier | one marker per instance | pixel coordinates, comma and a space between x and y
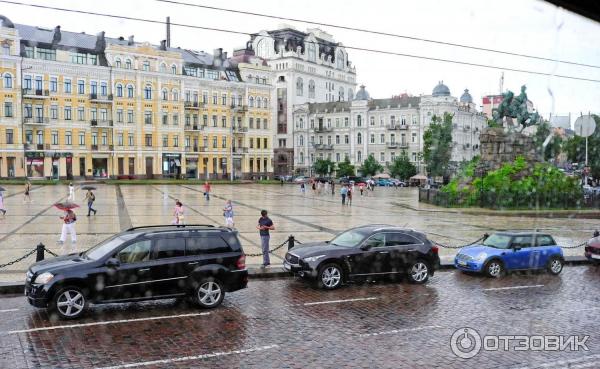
270, 251
575, 246
50, 252
459, 246
19, 259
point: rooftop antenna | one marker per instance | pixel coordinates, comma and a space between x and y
168, 31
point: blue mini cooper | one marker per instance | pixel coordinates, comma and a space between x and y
506, 251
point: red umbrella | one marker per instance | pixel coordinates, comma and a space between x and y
65, 205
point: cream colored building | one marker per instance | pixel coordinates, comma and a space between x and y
79, 105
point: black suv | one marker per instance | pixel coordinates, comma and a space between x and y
143, 263
365, 252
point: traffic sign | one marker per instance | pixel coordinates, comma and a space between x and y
585, 126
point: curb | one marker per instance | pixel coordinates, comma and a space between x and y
8, 288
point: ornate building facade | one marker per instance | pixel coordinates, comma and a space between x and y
384, 128
308, 67
79, 105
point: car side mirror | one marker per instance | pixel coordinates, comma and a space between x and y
365, 247
112, 263
327, 241
516, 248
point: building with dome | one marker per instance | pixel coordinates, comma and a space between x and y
309, 67
76, 105
384, 128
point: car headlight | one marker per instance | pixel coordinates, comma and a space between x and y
481, 257
313, 258
43, 278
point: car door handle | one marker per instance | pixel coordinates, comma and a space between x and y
412, 250
193, 263
383, 252
143, 270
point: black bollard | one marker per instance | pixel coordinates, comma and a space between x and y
291, 241
40, 252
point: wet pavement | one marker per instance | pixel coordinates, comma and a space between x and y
308, 217
286, 323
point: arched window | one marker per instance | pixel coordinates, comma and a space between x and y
311, 89
299, 87
341, 59
175, 95
359, 121
119, 90
118, 63
312, 52
301, 123
359, 156
163, 68
265, 102
165, 94
359, 138
130, 91
128, 64
173, 69
251, 101
341, 94
8, 80
301, 157
350, 94
148, 92
301, 140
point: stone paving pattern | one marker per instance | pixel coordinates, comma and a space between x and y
395, 325
308, 217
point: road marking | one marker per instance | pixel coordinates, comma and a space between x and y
396, 331
576, 310
105, 323
513, 287
565, 363
8, 310
338, 301
195, 357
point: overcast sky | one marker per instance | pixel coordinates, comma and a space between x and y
528, 27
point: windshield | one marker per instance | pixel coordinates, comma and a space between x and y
499, 241
103, 248
349, 238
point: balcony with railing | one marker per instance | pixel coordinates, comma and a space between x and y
35, 93
193, 127
193, 104
240, 129
320, 146
240, 150
94, 147
397, 127
36, 120
101, 123
323, 129
240, 108
392, 145
95, 97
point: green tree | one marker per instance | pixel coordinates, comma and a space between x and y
324, 166
437, 145
575, 149
402, 168
345, 168
370, 166
553, 148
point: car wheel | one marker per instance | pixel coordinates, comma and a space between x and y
555, 265
69, 303
330, 276
494, 269
209, 293
418, 272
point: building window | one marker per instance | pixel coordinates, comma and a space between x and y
224, 121
130, 116
67, 86
372, 139
382, 138
224, 99
251, 101
299, 87
146, 66
165, 94
130, 139
120, 139
8, 109
79, 58
414, 120
359, 138
175, 95
128, 64
68, 138
103, 89
67, 113
214, 120
163, 68
175, 119
54, 137
104, 139
81, 139
130, 91
94, 87
28, 111
148, 140
118, 63
53, 84
103, 115
81, 87
312, 52
9, 136
148, 117
414, 156
215, 99
346, 122
214, 143
175, 141
119, 90
346, 139
120, 115
8, 80
54, 112
414, 137
165, 140
173, 69
148, 92
224, 142
359, 156
165, 119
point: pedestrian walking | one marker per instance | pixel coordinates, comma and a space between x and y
71, 191
332, 188
2, 208
349, 195
228, 214
178, 214
90, 198
344, 192
68, 225
265, 224
27, 196
361, 188
207, 190
302, 188
314, 187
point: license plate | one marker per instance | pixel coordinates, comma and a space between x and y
594, 256
462, 262
286, 266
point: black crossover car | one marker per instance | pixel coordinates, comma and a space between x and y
365, 252
142, 263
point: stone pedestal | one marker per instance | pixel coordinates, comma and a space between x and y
499, 147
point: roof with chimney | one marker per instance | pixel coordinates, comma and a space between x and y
395, 102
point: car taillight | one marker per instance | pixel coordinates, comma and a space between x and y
241, 262
435, 249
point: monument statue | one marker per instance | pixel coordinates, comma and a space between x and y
515, 108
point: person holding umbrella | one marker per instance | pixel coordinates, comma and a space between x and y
90, 198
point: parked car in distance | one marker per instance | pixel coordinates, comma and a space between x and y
507, 251
592, 249
384, 182
301, 179
200, 262
366, 252
398, 183
352, 180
